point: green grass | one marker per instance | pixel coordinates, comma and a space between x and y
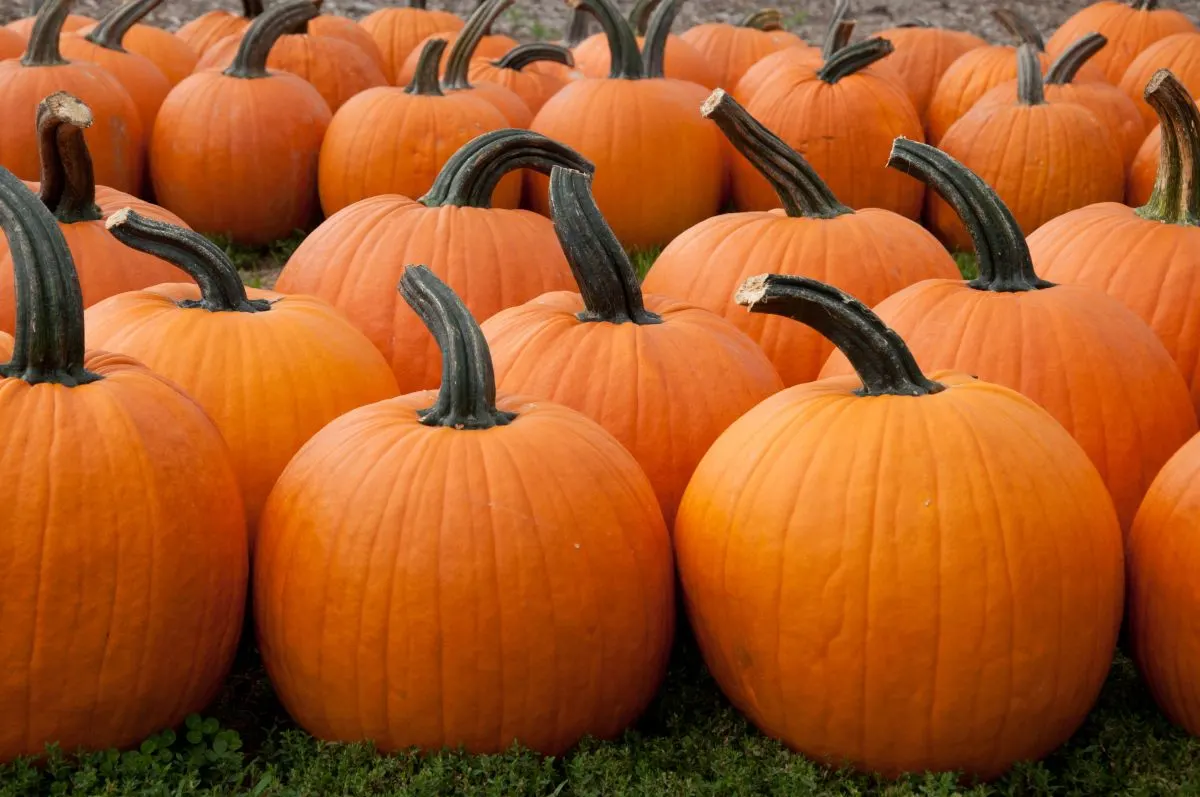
968, 266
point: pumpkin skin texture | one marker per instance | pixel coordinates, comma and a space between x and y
398, 32
209, 28
869, 253
624, 363
1147, 258
1180, 53
230, 175
174, 57
494, 257
106, 633
585, 639
922, 55
12, 45
942, 662
732, 49
514, 71
1130, 27
350, 31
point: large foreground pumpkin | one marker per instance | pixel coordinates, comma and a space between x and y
879, 570
123, 556
474, 571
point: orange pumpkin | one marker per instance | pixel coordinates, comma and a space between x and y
235, 152
457, 79
400, 31
12, 45
1043, 159
550, 532
681, 61
653, 136
489, 45
839, 547
922, 55
1130, 27
837, 37
633, 364
123, 556
350, 31
534, 87
494, 257
174, 57
68, 189
1085, 358
1143, 174
395, 141
115, 140
732, 49
870, 253
209, 28
225, 346
1179, 53
23, 27
1148, 258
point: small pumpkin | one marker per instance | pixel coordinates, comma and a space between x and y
1043, 158
837, 549
400, 31
23, 27
1130, 27
1179, 53
681, 61
235, 152
923, 53
869, 253
731, 49
524, 511
123, 555
634, 364
210, 27
1149, 257
495, 257
458, 63
513, 72
115, 140
1084, 357
174, 57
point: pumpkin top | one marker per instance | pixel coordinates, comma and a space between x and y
221, 288
606, 278
1030, 89
68, 184
765, 19
467, 396
424, 81
854, 58
654, 46
879, 356
417, 4
459, 60
470, 176
1021, 27
1176, 195
1143, 5
1005, 265
111, 29
47, 28
1067, 66
250, 62
523, 55
801, 190
622, 44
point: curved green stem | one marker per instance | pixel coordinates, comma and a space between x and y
302, 28
622, 44
251, 9
467, 396
251, 60
854, 58
111, 30
1030, 89
425, 79
1067, 66
459, 61
1176, 195
523, 55
1004, 262
1021, 27
840, 29
639, 15
765, 19
800, 189
68, 183
606, 278
579, 28
879, 356
654, 46
47, 28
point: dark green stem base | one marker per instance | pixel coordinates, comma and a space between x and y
250, 62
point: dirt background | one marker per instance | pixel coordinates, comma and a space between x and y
545, 19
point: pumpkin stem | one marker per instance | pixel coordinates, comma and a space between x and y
470, 177
47, 27
523, 55
765, 19
1144, 5
467, 396
1030, 89
425, 79
879, 356
111, 30
1005, 265
459, 60
800, 189
221, 288
1067, 66
302, 28
606, 278
916, 22
251, 9
654, 46
1020, 26
1176, 196
854, 58
639, 15
579, 28
68, 184
250, 62
622, 44
840, 29
48, 345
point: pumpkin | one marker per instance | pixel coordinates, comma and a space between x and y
843, 118
146, 84
115, 140
242, 355
653, 137
494, 257
23, 27
488, 45
395, 141
1179, 53
551, 533
511, 71
124, 548
681, 61
350, 31
68, 189
1085, 358
634, 364
398, 31
1148, 258
336, 68
235, 152
870, 253
1043, 159
12, 45
732, 49
458, 63
837, 37
174, 57
922, 55
1143, 174
209, 28
879, 570
1130, 28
